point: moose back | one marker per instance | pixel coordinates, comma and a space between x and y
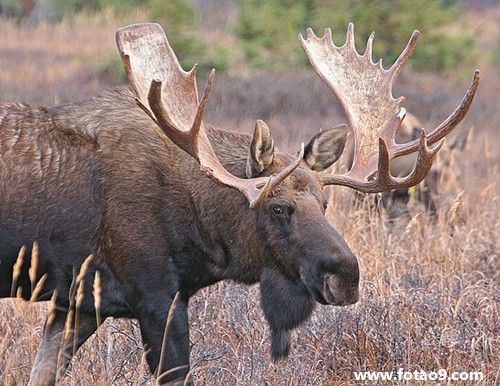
133, 191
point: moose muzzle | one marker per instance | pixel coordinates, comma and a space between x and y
338, 293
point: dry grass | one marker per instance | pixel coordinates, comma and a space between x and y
430, 285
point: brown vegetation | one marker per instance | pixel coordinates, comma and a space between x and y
430, 285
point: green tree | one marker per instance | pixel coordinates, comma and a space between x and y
10, 8
267, 29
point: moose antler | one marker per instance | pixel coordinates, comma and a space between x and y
364, 89
169, 95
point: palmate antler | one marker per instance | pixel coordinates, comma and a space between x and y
364, 89
169, 95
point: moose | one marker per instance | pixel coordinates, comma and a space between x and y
132, 190
396, 201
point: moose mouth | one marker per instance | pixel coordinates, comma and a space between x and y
333, 291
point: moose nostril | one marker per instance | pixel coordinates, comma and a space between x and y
336, 292
330, 286
331, 280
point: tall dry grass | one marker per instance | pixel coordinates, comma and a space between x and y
430, 284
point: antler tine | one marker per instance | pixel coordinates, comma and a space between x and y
405, 55
169, 96
447, 125
369, 45
364, 90
350, 37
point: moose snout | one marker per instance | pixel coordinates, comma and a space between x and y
333, 282
337, 277
338, 293
331, 269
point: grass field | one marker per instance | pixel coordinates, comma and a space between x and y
430, 286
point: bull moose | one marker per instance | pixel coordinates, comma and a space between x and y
132, 189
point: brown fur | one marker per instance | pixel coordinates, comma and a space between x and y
99, 177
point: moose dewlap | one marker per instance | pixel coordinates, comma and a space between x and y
133, 190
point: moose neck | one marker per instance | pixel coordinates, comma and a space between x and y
233, 247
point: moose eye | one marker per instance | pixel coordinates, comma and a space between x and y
278, 210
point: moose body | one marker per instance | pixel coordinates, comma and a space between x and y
99, 177
164, 205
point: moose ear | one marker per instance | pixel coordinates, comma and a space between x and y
261, 150
325, 148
